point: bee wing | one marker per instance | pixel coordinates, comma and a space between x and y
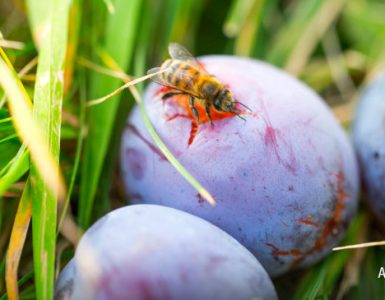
179, 52
158, 79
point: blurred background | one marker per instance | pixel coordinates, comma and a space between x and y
335, 46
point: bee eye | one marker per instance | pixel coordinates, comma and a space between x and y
217, 103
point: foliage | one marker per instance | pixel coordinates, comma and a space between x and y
334, 46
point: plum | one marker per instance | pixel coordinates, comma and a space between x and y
155, 252
65, 283
369, 141
285, 179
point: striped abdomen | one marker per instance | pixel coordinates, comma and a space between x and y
186, 77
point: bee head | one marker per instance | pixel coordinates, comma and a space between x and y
225, 101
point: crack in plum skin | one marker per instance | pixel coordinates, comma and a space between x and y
270, 140
307, 222
329, 228
170, 118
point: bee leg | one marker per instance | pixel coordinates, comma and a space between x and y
209, 114
170, 94
193, 109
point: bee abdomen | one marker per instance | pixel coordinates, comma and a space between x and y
184, 76
179, 75
167, 74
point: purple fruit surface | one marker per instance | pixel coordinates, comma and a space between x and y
285, 180
369, 141
144, 252
65, 283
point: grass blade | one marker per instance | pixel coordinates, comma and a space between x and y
26, 127
51, 35
72, 43
249, 33
16, 243
17, 168
288, 35
172, 9
312, 34
77, 156
38, 15
236, 17
101, 118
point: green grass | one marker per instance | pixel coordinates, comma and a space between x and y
119, 44
49, 25
334, 46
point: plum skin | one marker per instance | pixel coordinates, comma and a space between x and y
369, 142
65, 283
285, 181
155, 252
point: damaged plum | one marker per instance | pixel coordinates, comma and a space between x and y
285, 179
369, 141
153, 252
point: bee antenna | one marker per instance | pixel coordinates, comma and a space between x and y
239, 116
245, 106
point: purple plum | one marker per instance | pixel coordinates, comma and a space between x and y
144, 252
65, 283
285, 179
369, 141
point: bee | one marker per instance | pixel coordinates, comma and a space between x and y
186, 76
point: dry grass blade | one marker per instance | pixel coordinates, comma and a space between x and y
22, 73
126, 85
313, 33
102, 70
345, 112
16, 243
362, 245
31, 64
351, 273
337, 64
11, 44
28, 130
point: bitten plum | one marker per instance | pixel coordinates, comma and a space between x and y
285, 180
143, 252
369, 141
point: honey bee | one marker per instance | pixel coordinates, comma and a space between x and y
186, 76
